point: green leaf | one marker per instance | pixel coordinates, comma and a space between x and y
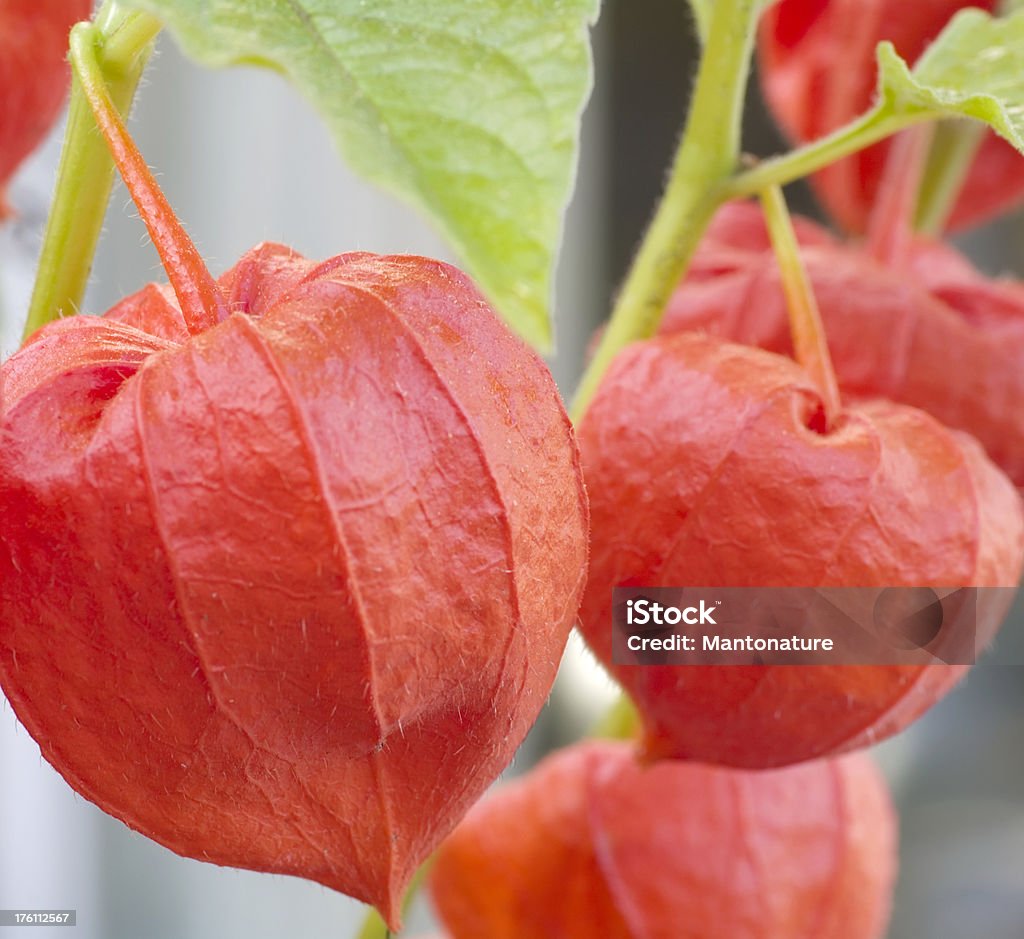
974, 69
470, 109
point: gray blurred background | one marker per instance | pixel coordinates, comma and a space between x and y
243, 159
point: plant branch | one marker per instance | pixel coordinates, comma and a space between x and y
707, 156
809, 344
858, 134
202, 304
86, 171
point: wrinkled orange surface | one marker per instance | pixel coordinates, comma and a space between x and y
932, 332
818, 72
34, 74
592, 844
287, 595
706, 466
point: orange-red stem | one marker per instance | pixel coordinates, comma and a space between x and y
202, 303
810, 346
891, 226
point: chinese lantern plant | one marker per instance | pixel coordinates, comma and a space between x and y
928, 331
817, 73
33, 75
593, 843
288, 559
322, 526
714, 464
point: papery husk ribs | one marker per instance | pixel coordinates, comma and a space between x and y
708, 464
592, 843
287, 594
932, 332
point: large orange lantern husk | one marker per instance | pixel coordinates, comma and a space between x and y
288, 593
591, 843
708, 464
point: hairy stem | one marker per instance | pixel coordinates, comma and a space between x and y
200, 298
858, 134
86, 171
707, 156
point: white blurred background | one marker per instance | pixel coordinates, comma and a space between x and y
243, 159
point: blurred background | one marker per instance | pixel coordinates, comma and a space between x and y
243, 159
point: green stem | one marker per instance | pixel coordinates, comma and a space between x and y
707, 156
861, 133
86, 172
701, 12
943, 179
374, 926
953, 150
620, 722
